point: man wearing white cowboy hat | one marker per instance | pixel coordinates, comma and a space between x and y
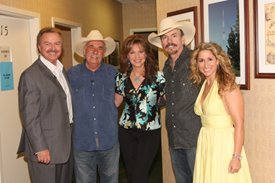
181, 122
95, 136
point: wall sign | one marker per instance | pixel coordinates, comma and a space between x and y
6, 69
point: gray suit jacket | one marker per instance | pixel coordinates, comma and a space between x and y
44, 114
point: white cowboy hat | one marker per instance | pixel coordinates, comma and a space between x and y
95, 35
169, 24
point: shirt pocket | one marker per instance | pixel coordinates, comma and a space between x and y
78, 93
109, 91
187, 87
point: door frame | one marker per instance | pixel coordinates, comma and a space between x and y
75, 32
34, 24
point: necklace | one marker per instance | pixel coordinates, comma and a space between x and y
137, 79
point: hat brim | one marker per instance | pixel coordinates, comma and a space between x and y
110, 46
187, 28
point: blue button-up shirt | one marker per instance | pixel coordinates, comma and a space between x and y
95, 113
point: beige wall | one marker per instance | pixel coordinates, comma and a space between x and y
138, 16
105, 15
259, 111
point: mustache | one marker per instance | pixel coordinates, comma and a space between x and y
52, 51
95, 56
170, 44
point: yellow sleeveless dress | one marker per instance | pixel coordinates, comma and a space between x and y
216, 142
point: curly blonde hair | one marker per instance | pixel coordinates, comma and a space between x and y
225, 75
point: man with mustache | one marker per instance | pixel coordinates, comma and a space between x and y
95, 136
182, 123
46, 112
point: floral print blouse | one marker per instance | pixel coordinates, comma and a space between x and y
141, 110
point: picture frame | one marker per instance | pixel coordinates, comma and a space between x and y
187, 14
113, 58
225, 23
264, 12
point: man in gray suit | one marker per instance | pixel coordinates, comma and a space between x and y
46, 112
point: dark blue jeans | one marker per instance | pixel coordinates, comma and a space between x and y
106, 162
183, 161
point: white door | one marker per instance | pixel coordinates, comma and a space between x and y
15, 35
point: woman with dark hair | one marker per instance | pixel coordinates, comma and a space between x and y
220, 155
140, 85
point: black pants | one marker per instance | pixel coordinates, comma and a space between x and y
138, 149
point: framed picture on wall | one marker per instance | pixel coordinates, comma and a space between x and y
188, 14
227, 24
264, 11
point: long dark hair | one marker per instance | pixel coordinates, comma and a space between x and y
151, 64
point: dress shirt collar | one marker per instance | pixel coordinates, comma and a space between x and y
52, 67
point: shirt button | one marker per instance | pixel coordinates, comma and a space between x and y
173, 92
93, 94
94, 119
172, 81
93, 107
173, 103
172, 115
174, 126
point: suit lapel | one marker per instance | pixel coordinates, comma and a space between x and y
48, 74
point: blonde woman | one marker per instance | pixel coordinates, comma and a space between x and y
220, 154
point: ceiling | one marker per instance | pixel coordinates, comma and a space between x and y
135, 1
